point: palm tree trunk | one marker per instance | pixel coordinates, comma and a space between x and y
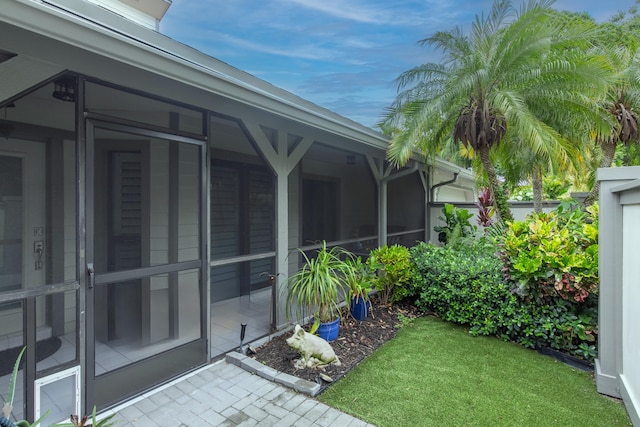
608, 152
499, 197
536, 184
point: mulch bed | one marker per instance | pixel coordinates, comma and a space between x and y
356, 341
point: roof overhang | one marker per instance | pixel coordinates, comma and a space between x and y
100, 32
94, 36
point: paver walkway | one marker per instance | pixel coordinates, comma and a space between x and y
223, 394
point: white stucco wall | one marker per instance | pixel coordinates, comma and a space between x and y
617, 372
630, 303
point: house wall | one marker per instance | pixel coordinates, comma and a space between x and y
29, 211
630, 376
451, 193
617, 372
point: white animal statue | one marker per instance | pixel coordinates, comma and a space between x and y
315, 351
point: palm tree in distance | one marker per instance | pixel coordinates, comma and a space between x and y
513, 77
622, 102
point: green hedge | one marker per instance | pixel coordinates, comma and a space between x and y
467, 285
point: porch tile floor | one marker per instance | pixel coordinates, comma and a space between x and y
228, 315
222, 394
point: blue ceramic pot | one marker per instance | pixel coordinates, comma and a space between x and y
359, 308
329, 331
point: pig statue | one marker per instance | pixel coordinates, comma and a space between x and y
315, 351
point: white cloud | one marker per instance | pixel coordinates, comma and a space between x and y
307, 51
342, 9
343, 54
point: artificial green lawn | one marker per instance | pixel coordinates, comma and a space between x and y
436, 374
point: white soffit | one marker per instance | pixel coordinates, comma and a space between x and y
144, 12
155, 8
20, 73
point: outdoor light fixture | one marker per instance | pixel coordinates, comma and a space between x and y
64, 89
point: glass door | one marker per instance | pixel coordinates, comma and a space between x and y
144, 256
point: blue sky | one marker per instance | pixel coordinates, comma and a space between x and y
341, 54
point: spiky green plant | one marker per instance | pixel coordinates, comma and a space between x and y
314, 289
8, 406
77, 421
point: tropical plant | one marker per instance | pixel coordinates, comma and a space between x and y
554, 255
518, 162
554, 188
505, 81
8, 406
315, 288
485, 208
456, 226
359, 278
393, 272
621, 46
76, 421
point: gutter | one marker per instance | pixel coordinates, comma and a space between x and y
441, 184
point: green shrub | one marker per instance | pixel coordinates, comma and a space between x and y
462, 285
466, 285
554, 254
457, 225
393, 272
553, 189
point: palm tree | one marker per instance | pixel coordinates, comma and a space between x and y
507, 79
622, 102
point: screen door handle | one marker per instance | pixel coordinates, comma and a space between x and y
91, 275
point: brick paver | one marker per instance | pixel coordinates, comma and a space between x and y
223, 394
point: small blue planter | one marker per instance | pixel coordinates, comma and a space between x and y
359, 308
329, 331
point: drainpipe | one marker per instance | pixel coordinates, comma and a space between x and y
426, 179
440, 184
430, 197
